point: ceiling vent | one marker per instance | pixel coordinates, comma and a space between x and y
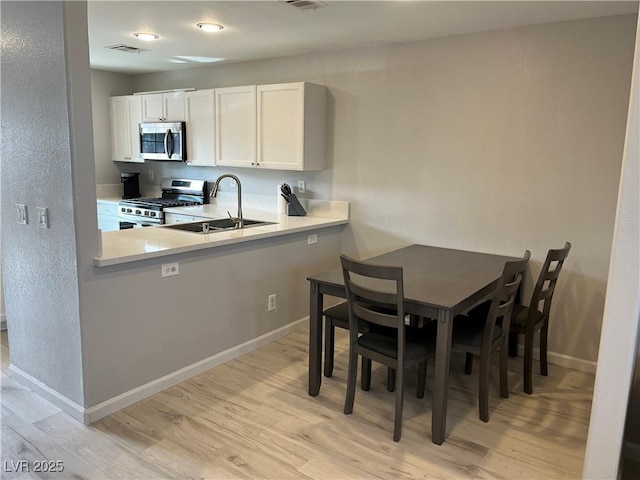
306, 4
125, 48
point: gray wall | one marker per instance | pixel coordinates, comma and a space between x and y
142, 327
42, 135
496, 142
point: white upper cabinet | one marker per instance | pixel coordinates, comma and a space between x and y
271, 126
291, 120
163, 107
235, 121
200, 120
126, 115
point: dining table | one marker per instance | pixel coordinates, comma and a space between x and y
439, 283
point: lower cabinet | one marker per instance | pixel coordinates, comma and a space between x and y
108, 220
180, 218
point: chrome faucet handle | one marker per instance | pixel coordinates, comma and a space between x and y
236, 221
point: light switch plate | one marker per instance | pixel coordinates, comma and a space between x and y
43, 217
22, 213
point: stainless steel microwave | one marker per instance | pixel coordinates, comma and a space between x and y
163, 141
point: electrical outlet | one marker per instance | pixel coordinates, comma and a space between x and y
302, 187
43, 217
22, 213
311, 239
150, 175
271, 302
232, 183
170, 269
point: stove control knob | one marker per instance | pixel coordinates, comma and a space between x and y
128, 210
138, 212
153, 214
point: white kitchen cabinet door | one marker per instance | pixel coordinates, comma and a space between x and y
126, 115
170, 218
291, 126
163, 107
200, 119
108, 220
235, 126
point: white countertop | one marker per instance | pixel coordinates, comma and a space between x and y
142, 243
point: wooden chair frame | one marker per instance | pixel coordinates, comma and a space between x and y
360, 301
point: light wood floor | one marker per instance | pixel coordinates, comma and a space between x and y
252, 418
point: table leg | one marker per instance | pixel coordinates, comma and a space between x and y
315, 339
441, 378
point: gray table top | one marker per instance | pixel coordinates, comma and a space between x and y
441, 278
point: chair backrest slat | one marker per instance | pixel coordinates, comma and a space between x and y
546, 284
504, 297
374, 305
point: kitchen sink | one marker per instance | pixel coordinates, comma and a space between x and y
211, 226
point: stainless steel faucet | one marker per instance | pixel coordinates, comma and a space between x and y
237, 220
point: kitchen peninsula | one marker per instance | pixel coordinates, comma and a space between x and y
144, 243
214, 305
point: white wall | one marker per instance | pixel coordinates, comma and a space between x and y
498, 142
619, 343
103, 86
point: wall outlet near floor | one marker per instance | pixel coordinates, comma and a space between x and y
311, 239
302, 186
150, 175
170, 269
42, 214
271, 302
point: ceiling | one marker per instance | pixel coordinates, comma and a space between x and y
274, 28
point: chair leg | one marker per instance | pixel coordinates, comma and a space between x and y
483, 394
513, 344
329, 343
351, 382
391, 379
365, 378
544, 332
422, 379
504, 380
468, 363
397, 428
528, 363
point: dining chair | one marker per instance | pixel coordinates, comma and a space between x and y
482, 335
389, 341
338, 316
527, 320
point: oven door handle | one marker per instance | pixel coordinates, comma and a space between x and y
168, 143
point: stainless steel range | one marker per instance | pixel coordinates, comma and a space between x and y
147, 212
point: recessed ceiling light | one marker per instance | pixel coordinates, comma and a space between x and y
210, 27
147, 37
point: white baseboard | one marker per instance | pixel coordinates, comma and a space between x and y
125, 399
92, 414
48, 393
563, 360
632, 451
96, 412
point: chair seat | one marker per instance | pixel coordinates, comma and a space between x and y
519, 317
339, 315
416, 346
468, 331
